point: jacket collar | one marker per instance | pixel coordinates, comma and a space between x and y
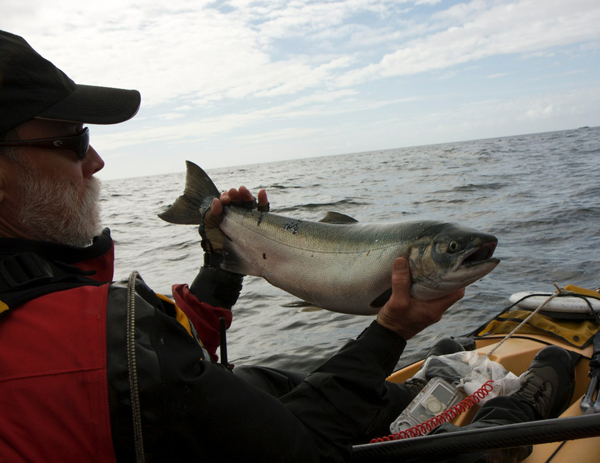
97, 257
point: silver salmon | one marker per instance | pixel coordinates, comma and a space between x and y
338, 263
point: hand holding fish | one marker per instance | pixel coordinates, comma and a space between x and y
242, 196
407, 316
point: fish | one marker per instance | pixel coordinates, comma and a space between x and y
338, 263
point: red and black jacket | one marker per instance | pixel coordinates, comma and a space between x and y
65, 383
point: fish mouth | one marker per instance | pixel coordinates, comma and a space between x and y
477, 256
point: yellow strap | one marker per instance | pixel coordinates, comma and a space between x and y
3, 307
576, 333
179, 315
582, 291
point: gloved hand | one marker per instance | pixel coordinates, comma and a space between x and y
214, 285
212, 236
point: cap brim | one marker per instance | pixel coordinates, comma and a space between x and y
95, 105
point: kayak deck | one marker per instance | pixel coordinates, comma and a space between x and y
516, 355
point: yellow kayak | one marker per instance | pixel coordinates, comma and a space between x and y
559, 440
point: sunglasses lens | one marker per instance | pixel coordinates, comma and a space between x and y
80, 144
83, 144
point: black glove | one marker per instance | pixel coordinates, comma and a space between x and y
214, 285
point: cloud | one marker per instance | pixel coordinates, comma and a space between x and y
170, 116
498, 75
505, 28
202, 52
223, 73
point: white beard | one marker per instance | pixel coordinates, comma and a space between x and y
54, 211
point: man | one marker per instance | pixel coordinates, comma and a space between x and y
93, 370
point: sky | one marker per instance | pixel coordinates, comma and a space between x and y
235, 82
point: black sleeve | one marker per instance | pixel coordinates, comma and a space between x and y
194, 409
348, 397
191, 408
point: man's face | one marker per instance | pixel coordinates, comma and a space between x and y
50, 195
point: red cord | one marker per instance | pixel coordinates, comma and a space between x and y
444, 417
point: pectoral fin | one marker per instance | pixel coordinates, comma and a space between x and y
382, 299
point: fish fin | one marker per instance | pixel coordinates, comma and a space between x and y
304, 306
299, 303
198, 189
380, 300
311, 308
337, 218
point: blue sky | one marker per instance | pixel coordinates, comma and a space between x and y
228, 83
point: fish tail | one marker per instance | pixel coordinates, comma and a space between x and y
197, 195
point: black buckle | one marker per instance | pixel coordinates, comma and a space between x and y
21, 269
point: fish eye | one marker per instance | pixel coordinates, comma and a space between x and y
453, 246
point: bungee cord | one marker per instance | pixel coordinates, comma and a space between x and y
443, 417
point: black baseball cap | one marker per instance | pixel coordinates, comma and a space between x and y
31, 87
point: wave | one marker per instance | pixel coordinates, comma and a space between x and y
537, 193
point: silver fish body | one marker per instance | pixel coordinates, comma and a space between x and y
343, 267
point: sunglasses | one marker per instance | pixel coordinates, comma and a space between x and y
79, 143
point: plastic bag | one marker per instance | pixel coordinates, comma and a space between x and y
469, 371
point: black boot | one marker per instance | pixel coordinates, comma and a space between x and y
549, 383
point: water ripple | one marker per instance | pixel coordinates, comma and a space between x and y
538, 193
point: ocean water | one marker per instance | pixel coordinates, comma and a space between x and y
539, 194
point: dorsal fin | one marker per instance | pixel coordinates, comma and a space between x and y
337, 218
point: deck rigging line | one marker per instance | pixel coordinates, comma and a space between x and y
509, 335
481, 439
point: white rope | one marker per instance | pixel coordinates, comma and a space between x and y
558, 292
132, 366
